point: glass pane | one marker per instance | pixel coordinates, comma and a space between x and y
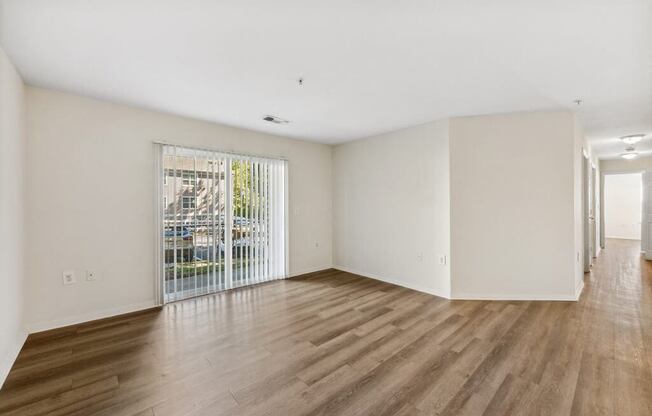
194, 191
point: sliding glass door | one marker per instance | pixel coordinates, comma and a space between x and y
222, 221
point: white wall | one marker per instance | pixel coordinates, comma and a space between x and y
391, 207
513, 206
622, 206
12, 172
90, 201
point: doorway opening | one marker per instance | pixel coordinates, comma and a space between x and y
623, 207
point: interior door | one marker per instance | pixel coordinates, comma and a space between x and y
592, 216
586, 214
646, 220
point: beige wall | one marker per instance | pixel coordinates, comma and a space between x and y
90, 201
391, 207
496, 195
624, 166
12, 155
500, 196
578, 202
513, 195
582, 149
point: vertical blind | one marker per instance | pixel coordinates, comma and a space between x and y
222, 221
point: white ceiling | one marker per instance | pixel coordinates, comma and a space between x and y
370, 66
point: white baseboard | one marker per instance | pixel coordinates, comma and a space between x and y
579, 289
311, 270
8, 360
396, 282
518, 297
78, 319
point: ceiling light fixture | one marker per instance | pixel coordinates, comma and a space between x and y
275, 120
632, 139
630, 153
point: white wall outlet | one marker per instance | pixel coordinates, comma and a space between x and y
442, 260
69, 277
91, 275
420, 257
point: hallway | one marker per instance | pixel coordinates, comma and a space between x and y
615, 330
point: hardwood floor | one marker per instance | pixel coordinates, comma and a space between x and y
339, 344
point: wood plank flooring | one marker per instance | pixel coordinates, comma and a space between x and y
339, 344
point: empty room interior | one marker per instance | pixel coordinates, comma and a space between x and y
304, 208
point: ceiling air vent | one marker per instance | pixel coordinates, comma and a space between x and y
275, 120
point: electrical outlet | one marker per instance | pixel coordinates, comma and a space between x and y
442, 260
420, 257
91, 275
69, 277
